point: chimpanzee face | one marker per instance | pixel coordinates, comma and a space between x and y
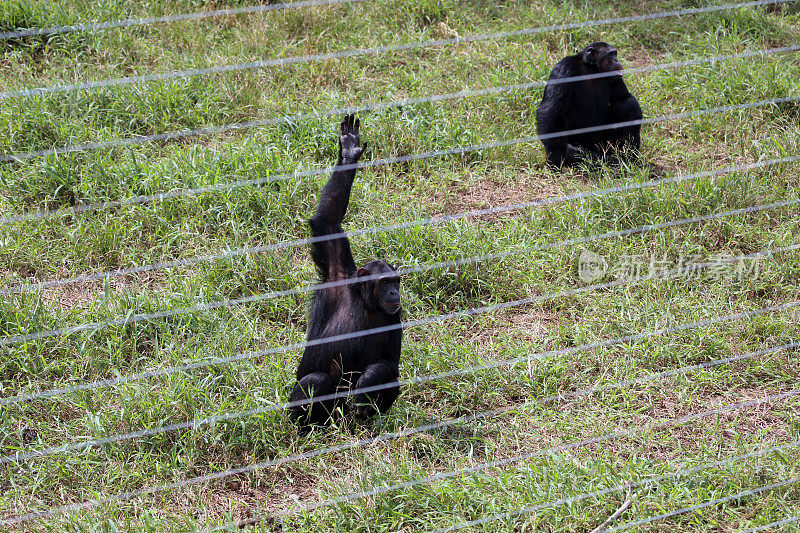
383, 292
601, 56
386, 292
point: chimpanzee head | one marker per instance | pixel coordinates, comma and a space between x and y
601, 57
382, 291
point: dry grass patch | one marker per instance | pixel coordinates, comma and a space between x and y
494, 192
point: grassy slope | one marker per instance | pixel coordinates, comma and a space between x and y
128, 236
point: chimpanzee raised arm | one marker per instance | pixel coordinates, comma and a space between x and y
358, 361
333, 258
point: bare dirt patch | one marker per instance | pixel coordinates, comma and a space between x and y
640, 58
496, 192
521, 325
723, 431
81, 295
531, 325
264, 497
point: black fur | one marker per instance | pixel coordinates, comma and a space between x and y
360, 361
587, 103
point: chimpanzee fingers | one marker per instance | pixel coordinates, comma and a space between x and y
347, 124
357, 125
364, 148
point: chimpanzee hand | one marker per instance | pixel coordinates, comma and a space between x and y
350, 148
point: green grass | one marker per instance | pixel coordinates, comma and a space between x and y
185, 227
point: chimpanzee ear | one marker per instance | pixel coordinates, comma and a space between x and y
361, 272
591, 53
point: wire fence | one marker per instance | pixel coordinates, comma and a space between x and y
250, 65
319, 114
195, 424
231, 254
624, 486
176, 193
677, 512
131, 318
488, 415
167, 19
128, 495
209, 421
773, 525
403, 325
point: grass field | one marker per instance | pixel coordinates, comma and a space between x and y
643, 445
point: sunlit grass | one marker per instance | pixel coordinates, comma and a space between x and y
193, 225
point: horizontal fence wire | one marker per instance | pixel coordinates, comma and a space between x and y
25, 455
424, 268
772, 525
318, 114
167, 19
128, 495
403, 325
625, 486
179, 193
240, 252
294, 60
556, 449
412, 323
737, 496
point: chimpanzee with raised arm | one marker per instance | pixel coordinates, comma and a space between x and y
587, 103
338, 310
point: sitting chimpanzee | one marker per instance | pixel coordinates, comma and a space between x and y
360, 361
587, 103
